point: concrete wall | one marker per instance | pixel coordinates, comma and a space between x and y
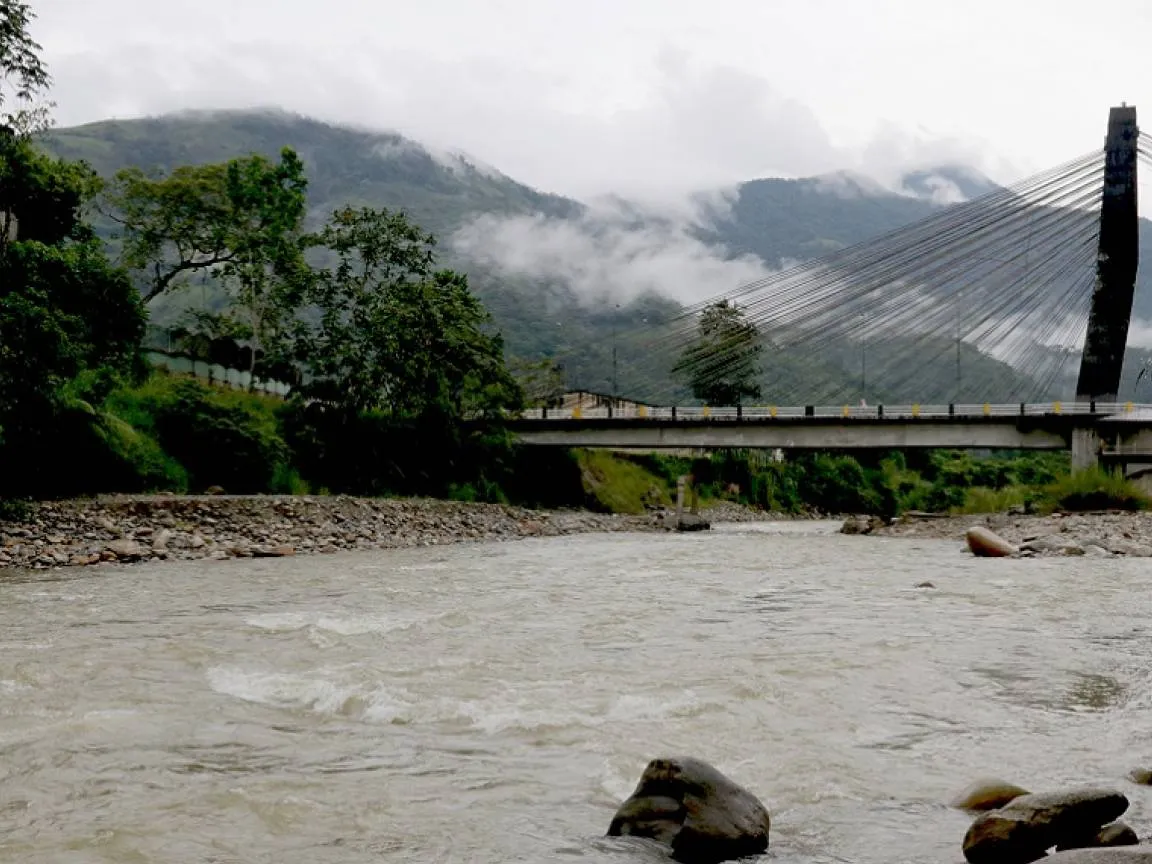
235, 378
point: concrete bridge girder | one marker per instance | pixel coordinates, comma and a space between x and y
990, 433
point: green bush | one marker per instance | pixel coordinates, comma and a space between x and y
983, 500
1094, 489
220, 437
14, 509
375, 454
286, 480
139, 463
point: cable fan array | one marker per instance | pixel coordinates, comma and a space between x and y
983, 301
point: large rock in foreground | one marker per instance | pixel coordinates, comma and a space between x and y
987, 544
691, 807
1028, 826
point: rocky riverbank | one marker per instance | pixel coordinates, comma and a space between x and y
149, 528
1102, 534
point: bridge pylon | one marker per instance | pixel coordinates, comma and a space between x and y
1117, 258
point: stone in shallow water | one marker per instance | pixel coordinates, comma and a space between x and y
1023, 830
987, 794
1141, 776
987, 544
704, 816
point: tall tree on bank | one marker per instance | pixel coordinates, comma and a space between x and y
70, 323
239, 221
722, 364
223, 218
24, 80
391, 332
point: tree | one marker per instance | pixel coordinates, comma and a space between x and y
722, 364
394, 334
237, 219
23, 76
541, 380
70, 323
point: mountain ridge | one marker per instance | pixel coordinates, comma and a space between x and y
565, 275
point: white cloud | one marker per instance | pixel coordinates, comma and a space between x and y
605, 256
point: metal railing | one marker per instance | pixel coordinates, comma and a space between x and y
844, 412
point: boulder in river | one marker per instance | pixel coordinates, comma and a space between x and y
702, 815
126, 550
987, 544
1116, 834
1141, 776
1025, 828
987, 794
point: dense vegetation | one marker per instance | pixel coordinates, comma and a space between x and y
883, 484
400, 384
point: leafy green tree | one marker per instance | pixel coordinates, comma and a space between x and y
541, 380
238, 219
70, 323
23, 77
722, 364
393, 333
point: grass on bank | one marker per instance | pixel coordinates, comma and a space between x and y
619, 485
1089, 489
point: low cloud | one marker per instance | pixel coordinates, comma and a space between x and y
607, 255
692, 126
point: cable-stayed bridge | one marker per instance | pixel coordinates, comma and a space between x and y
999, 322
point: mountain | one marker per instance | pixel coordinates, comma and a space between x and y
440, 190
794, 220
564, 279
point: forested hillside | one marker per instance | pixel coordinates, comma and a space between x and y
546, 314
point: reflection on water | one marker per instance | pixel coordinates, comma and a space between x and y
494, 703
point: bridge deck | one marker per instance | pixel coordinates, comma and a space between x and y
1037, 426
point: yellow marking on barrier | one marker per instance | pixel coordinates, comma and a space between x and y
772, 411
987, 409
642, 411
576, 413
1127, 407
707, 412
1055, 407
915, 410
845, 411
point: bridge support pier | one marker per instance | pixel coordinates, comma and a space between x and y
1116, 261
1085, 448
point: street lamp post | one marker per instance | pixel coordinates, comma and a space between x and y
615, 323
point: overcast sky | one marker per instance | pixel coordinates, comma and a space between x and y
634, 96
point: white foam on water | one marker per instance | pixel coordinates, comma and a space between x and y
283, 690
639, 708
325, 692
338, 623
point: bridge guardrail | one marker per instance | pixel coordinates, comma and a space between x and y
847, 412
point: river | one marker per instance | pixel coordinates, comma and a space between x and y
494, 702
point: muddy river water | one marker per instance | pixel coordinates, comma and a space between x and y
494, 702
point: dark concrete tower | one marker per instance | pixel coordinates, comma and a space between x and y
1116, 262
